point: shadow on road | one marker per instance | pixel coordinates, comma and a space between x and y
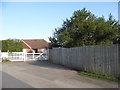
48, 64
9, 81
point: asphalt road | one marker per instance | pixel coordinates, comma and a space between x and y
43, 74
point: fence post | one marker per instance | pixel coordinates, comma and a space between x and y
0, 56
33, 57
118, 63
24, 56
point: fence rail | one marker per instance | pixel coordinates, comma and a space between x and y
101, 59
21, 56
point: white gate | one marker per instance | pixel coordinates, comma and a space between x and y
21, 56
36, 56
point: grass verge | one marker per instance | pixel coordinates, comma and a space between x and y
99, 76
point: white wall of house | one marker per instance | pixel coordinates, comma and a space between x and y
44, 50
25, 50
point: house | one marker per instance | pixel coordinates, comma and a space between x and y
34, 45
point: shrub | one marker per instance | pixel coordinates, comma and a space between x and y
6, 60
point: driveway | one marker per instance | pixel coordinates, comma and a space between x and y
42, 74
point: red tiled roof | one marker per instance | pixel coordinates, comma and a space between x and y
36, 43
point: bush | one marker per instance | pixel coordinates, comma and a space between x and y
6, 60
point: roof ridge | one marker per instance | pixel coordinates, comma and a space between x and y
32, 39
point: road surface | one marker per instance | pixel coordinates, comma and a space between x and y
42, 74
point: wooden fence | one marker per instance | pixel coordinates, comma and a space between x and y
102, 59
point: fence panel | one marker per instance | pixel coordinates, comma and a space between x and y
95, 58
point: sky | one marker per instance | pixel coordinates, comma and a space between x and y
37, 20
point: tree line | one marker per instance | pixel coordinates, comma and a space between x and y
11, 45
84, 28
